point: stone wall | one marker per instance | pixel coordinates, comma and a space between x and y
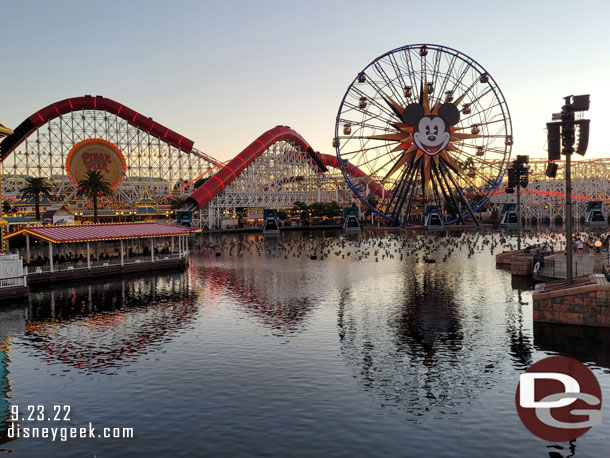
522, 265
583, 305
505, 257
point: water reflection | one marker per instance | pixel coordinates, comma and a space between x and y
100, 326
273, 296
11, 323
421, 352
521, 343
5, 387
428, 324
584, 343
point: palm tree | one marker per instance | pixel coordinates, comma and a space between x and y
92, 186
36, 187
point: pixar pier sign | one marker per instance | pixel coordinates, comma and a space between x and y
96, 154
99, 161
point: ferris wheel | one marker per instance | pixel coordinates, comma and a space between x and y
427, 129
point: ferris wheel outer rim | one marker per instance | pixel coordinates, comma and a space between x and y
503, 104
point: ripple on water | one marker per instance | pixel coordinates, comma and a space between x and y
365, 351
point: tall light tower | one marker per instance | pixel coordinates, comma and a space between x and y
565, 129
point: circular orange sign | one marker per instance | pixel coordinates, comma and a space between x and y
96, 154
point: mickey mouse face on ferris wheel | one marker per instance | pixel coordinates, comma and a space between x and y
431, 133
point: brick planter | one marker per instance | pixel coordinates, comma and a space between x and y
522, 265
505, 257
584, 304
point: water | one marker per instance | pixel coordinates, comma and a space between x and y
262, 353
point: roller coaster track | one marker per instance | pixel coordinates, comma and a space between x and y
225, 172
231, 170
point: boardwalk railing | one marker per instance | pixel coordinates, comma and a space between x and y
63, 267
11, 282
555, 266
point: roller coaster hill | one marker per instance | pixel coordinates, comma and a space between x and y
150, 166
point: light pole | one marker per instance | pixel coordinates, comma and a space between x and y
518, 215
567, 150
567, 127
518, 173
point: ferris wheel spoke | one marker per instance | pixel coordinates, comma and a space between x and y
443, 88
436, 182
365, 125
482, 124
406, 55
403, 192
450, 192
480, 96
384, 76
394, 115
374, 172
398, 192
377, 104
480, 112
371, 116
395, 190
489, 149
400, 77
380, 170
364, 150
435, 72
462, 197
424, 67
412, 194
459, 79
470, 160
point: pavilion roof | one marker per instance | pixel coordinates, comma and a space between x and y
20, 219
99, 232
149, 211
4, 131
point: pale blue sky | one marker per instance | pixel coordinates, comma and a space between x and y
221, 73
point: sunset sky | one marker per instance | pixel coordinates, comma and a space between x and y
221, 73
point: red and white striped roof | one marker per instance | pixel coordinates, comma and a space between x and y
99, 232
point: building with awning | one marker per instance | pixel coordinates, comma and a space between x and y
58, 215
4, 132
99, 248
15, 223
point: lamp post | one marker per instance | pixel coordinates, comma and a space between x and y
572, 105
518, 173
518, 215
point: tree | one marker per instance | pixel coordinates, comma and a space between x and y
333, 209
282, 214
93, 186
317, 209
7, 208
300, 209
36, 187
